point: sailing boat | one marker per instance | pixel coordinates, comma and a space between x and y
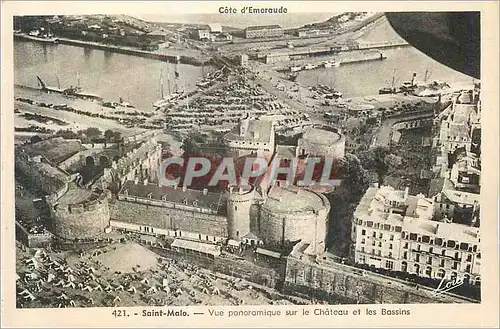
166, 100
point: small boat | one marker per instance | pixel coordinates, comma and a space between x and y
331, 64
296, 68
310, 66
387, 91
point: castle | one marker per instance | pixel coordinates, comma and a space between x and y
272, 214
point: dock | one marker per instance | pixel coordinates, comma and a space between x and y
165, 57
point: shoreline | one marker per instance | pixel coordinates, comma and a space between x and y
164, 57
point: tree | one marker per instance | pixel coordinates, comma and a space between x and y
92, 133
36, 139
377, 159
109, 134
67, 134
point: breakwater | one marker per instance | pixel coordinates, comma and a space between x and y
183, 59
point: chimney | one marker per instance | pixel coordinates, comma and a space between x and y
205, 191
413, 79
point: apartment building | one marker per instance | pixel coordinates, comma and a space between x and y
393, 230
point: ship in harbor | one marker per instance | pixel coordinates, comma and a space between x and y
71, 91
424, 89
165, 101
115, 105
390, 90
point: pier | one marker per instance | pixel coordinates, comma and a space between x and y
183, 59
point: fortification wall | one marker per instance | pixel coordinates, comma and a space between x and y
83, 220
328, 281
171, 219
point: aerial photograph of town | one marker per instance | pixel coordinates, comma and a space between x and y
170, 160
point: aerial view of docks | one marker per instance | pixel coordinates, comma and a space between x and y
100, 100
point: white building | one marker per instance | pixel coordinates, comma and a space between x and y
393, 230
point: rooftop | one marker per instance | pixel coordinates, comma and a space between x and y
447, 231
76, 195
286, 151
196, 246
293, 199
263, 27
254, 130
56, 150
321, 136
188, 197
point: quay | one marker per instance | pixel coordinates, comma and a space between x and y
183, 59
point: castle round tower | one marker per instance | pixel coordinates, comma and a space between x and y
239, 201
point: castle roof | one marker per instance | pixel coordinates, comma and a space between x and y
188, 197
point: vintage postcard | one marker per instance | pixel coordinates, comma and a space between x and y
242, 164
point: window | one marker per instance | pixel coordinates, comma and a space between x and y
405, 255
387, 227
374, 234
441, 263
398, 229
363, 232
363, 241
431, 250
390, 255
464, 246
426, 239
373, 243
456, 266
450, 244
417, 258
235, 208
379, 253
406, 245
389, 265
469, 257
391, 237
418, 247
362, 249
369, 223
390, 246
438, 242
413, 236
443, 252
381, 235
429, 260
467, 268
380, 244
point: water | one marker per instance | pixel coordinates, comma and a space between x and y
136, 79
287, 21
110, 75
362, 79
